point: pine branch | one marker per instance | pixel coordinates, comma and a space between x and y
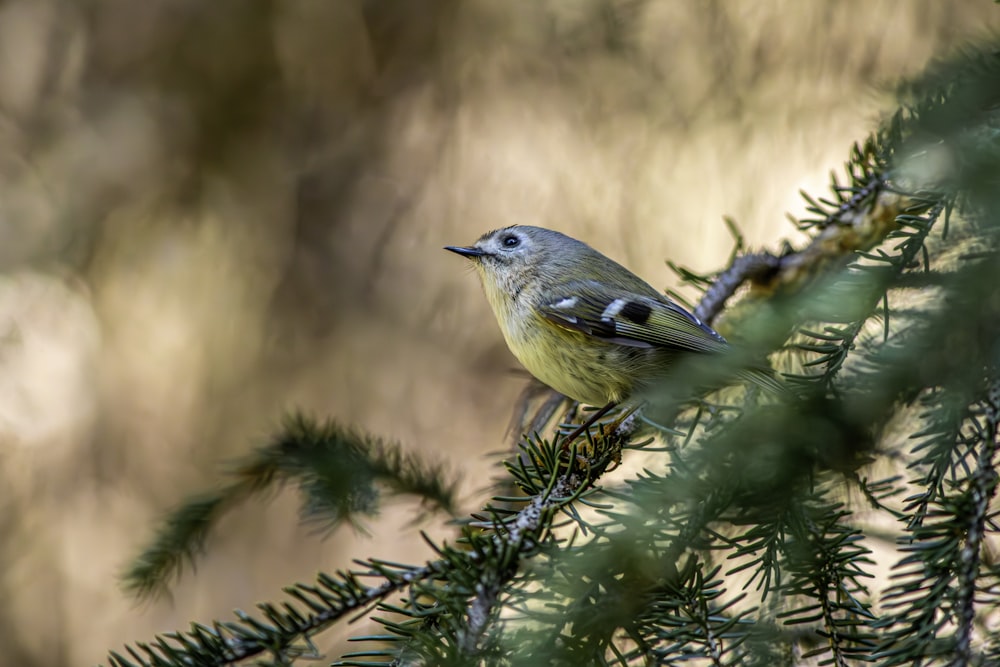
337, 471
982, 488
283, 633
520, 537
555, 479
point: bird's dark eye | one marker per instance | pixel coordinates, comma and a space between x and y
510, 241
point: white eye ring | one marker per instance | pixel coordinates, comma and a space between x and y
510, 241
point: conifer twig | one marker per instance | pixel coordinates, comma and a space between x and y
982, 488
522, 533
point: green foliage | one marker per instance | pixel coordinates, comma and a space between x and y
754, 540
338, 472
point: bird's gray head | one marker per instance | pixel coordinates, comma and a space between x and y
511, 259
512, 246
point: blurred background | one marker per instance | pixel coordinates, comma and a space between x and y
212, 213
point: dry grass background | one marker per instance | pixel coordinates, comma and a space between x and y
214, 212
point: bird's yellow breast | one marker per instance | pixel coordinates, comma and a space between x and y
573, 364
588, 370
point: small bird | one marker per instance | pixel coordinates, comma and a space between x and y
582, 323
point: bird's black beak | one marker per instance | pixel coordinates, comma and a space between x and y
466, 251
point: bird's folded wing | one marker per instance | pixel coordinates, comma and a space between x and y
627, 318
